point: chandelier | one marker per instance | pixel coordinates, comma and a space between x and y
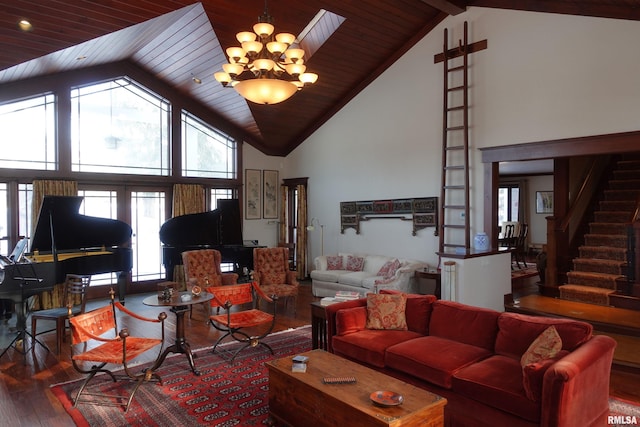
266, 69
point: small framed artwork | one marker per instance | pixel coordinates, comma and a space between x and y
270, 194
252, 194
544, 202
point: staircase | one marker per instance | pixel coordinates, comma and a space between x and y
602, 260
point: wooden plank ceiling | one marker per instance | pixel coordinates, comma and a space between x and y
177, 41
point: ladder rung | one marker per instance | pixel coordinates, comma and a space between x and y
454, 206
451, 89
454, 187
455, 147
459, 107
456, 128
453, 167
458, 68
459, 226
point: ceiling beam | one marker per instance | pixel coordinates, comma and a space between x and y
448, 7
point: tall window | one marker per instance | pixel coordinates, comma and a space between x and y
28, 133
4, 220
147, 216
119, 127
219, 193
508, 196
206, 152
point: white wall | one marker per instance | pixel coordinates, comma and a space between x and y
543, 76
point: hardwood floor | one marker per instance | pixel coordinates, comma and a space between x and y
25, 395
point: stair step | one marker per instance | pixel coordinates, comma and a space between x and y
633, 164
612, 216
621, 194
608, 228
624, 184
627, 174
618, 205
610, 240
605, 266
603, 252
594, 280
585, 294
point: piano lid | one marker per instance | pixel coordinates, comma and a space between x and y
73, 230
222, 226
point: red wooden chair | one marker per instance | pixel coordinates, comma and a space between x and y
235, 324
96, 334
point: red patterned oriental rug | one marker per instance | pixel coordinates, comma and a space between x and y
223, 395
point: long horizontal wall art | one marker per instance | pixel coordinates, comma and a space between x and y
422, 212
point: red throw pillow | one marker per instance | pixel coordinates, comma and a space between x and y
386, 311
334, 262
355, 263
349, 320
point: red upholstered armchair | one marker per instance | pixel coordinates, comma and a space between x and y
202, 268
271, 272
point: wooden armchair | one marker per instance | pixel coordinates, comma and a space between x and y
235, 324
96, 341
271, 271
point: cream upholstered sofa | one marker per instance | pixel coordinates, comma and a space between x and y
343, 272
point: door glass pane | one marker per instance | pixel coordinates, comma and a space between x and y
147, 216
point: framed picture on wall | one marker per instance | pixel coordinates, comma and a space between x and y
544, 202
270, 194
252, 194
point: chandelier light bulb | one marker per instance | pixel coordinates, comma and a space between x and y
235, 53
286, 38
294, 54
263, 29
245, 36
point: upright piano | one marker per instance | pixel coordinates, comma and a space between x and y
219, 229
67, 242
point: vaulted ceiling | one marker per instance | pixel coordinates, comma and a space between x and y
181, 42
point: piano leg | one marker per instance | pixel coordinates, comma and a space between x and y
123, 278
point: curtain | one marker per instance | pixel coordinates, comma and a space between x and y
187, 199
41, 188
301, 235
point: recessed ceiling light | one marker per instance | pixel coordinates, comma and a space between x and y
25, 25
81, 58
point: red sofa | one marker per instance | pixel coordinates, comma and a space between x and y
471, 356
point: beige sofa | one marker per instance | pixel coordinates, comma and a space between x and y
325, 282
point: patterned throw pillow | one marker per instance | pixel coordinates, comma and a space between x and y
386, 311
389, 268
355, 263
546, 346
334, 262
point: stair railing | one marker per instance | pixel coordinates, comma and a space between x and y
633, 242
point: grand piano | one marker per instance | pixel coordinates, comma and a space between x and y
64, 241
219, 229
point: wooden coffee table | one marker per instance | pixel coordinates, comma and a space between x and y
298, 399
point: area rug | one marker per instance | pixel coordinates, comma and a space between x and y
224, 394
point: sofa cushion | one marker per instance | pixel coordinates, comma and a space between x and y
465, 324
369, 345
327, 275
334, 262
517, 331
434, 359
545, 346
355, 263
497, 382
353, 278
386, 311
351, 320
418, 311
